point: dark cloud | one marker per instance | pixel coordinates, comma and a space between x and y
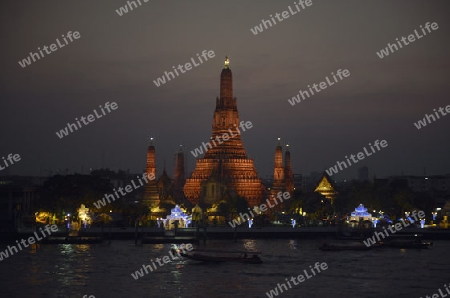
118, 57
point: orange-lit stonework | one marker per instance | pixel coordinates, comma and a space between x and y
151, 196
224, 167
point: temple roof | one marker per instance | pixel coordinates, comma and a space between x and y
225, 162
325, 186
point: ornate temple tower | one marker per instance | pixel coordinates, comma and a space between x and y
278, 172
226, 160
151, 196
288, 175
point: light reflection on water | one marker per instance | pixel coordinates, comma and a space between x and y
250, 245
102, 270
293, 244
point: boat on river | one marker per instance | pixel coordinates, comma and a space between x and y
332, 247
72, 240
416, 243
247, 257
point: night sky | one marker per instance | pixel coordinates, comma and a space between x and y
117, 58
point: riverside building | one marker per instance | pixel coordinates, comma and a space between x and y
222, 172
226, 166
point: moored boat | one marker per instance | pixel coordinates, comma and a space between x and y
332, 247
417, 243
223, 256
72, 240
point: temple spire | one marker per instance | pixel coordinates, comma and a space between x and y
227, 62
278, 172
226, 81
278, 157
225, 167
151, 196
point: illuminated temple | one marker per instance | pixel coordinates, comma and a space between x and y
225, 167
326, 188
223, 173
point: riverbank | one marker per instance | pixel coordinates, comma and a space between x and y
261, 232
149, 233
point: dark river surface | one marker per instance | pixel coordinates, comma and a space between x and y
104, 270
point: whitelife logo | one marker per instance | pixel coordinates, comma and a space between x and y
360, 155
340, 73
10, 158
422, 123
285, 14
165, 260
441, 294
162, 80
318, 267
64, 132
225, 137
262, 208
411, 38
128, 189
124, 9
53, 48
31, 240
397, 226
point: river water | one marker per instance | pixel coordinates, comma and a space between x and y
104, 270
